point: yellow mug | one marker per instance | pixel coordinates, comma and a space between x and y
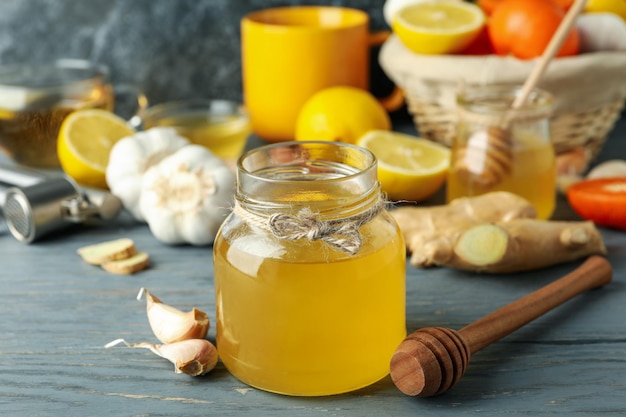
290, 53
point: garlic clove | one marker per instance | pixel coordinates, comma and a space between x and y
192, 357
171, 325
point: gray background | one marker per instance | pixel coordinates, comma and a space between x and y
172, 49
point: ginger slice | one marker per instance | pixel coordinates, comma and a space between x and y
103, 252
137, 262
482, 245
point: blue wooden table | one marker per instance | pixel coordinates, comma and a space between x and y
57, 313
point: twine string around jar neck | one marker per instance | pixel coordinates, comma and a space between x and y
342, 234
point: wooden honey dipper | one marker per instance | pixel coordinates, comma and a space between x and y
432, 360
488, 156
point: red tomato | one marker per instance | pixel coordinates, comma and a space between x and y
601, 200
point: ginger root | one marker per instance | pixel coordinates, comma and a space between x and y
518, 245
440, 225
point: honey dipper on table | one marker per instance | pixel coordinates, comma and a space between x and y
488, 156
431, 360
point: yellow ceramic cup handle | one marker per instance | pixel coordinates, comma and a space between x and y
395, 100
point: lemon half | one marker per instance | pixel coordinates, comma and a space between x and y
85, 141
409, 167
438, 27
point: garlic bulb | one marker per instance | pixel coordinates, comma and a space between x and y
171, 325
613, 168
601, 32
193, 357
132, 156
185, 197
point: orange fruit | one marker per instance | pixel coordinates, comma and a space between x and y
563, 4
523, 28
489, 5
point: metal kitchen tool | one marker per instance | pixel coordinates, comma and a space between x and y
34, 204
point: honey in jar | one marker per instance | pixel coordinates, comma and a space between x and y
497, 148
309, 272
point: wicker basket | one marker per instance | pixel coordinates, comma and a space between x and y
589, 91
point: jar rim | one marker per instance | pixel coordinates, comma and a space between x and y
334, 179
298, 149
226, 113
499, 99
55, 74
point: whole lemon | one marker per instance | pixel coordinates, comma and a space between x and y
617, 7
340, 114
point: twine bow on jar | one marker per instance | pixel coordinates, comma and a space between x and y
342, 234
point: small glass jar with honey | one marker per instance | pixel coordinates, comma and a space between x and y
498, 148
309, 272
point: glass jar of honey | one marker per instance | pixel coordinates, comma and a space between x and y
309, 272
498, 148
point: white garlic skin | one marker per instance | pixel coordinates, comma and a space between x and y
186, 197
193, 357
170, 324
132, 156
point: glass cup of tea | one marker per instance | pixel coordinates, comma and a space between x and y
36, 98
222, 126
